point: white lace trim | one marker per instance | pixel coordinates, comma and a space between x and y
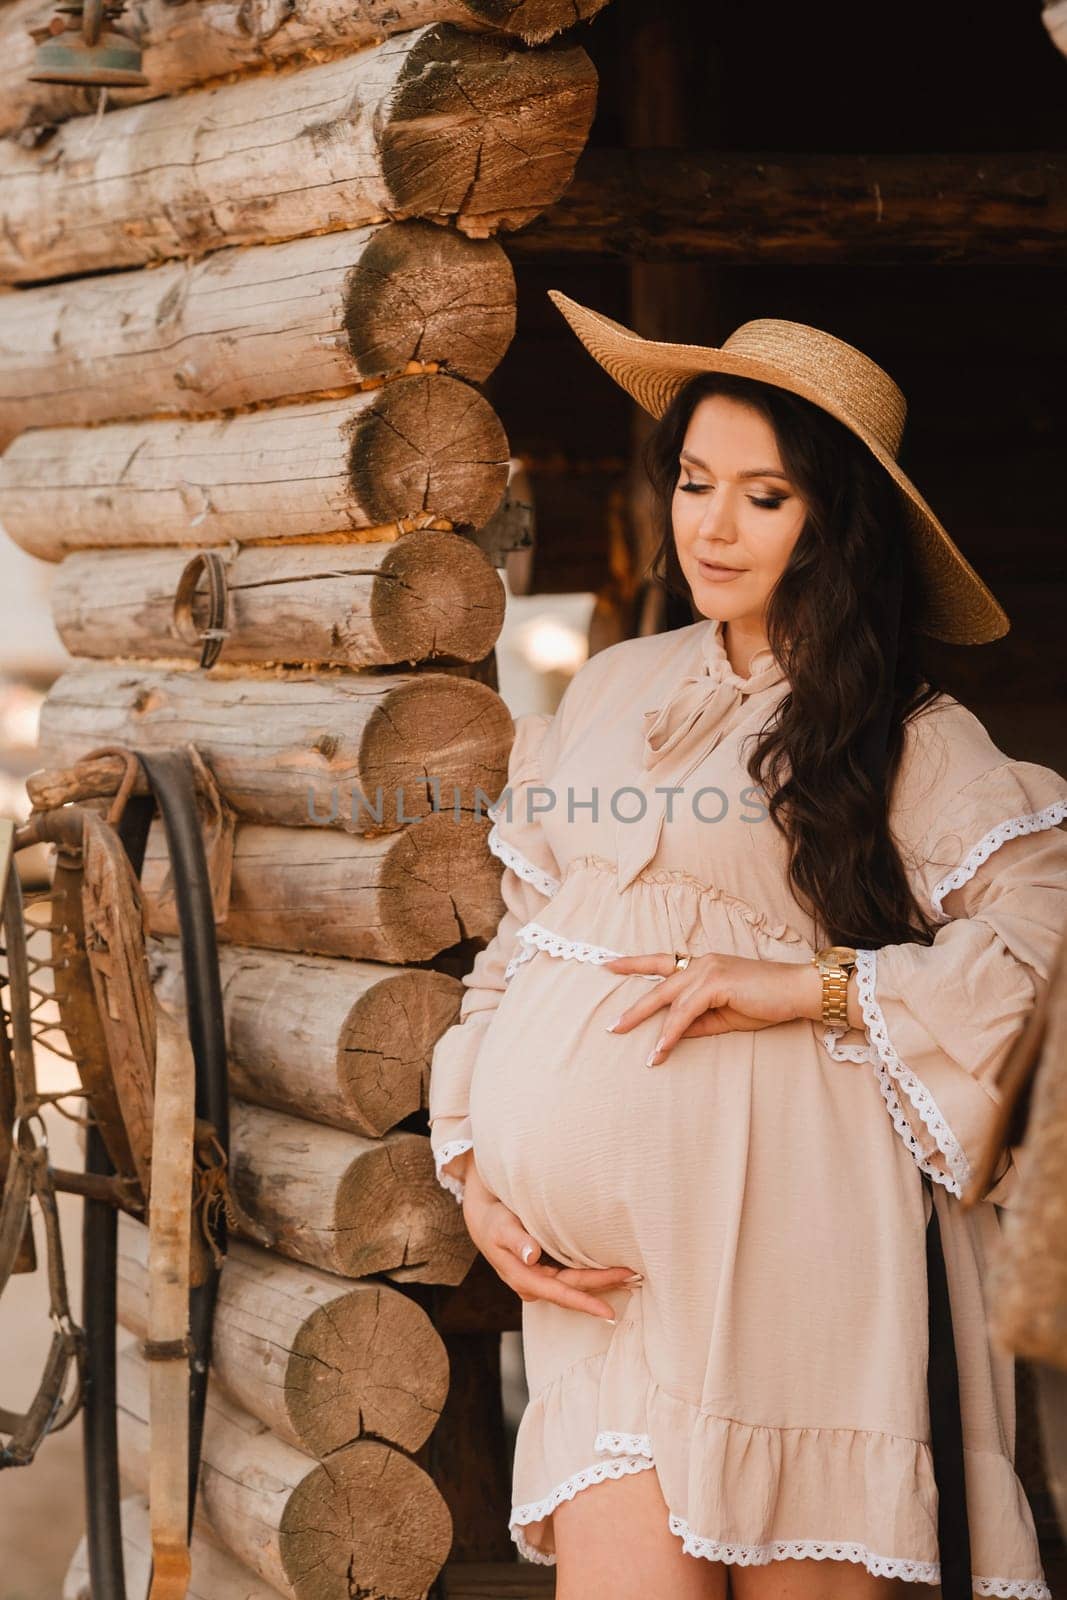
1012, 828
536, 1510
1016, 1588
569, 949
543, 882
447, 1180
745, 1555
1013, 1588
844, 1052
533, 937
523, 954
891, 1071
624, 1444
758, 1555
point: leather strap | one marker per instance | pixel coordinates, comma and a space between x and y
946, 1423
171, 777
169, 1222
210, 564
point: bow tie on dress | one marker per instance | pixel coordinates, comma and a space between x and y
698, 711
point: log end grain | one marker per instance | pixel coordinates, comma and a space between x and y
425, 293
484, 136
533, 21
430, 729
401, 1216
345, 1204
370, 1362
386, 1043
427, 444
442, 871
366, 1522
436, 594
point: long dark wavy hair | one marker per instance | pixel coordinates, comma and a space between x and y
840, 623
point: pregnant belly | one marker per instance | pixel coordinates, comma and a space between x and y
593, 1151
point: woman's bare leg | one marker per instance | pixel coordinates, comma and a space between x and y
820, 1580
613, 1539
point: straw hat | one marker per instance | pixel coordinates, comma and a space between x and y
955, 604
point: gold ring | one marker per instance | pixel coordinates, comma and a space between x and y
681, 962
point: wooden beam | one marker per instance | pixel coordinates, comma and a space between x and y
320, 1360
345, 1204
400, 897
832, 209
311, 1530
187, 42
421, 597
356, 752
347, 1043
428, 447
274, 323
460, 128
216, 1575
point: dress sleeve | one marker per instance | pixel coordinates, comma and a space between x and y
940, 1018
529, 879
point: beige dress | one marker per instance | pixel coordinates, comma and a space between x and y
771, 1368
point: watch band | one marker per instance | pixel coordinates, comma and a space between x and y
834, 964
835, 994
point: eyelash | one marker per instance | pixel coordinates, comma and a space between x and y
768, 505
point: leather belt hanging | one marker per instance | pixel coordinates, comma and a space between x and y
183, 1357
946, 1422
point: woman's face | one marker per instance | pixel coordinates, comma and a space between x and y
736, 515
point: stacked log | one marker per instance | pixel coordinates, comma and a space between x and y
304, 1526
250, 310
319, 1360
456, 127
216, 1575
182, 49
331, 313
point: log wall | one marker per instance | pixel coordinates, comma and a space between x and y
249, 311
386, 132
337, 311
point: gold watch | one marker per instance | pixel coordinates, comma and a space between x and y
835, 962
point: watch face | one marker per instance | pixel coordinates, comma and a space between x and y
839, 954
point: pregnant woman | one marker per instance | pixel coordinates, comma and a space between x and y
776, 908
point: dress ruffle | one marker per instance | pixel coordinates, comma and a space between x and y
1010, 800
690, 915
959, 799
748, 1494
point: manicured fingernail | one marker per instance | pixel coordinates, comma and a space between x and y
651, 1061
613, 1025
527, 1253
635, 1277
609, 1319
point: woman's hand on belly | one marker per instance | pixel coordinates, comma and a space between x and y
716, 993
503, 1241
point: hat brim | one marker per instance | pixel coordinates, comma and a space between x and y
955, 606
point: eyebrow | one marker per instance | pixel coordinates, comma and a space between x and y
752, 472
